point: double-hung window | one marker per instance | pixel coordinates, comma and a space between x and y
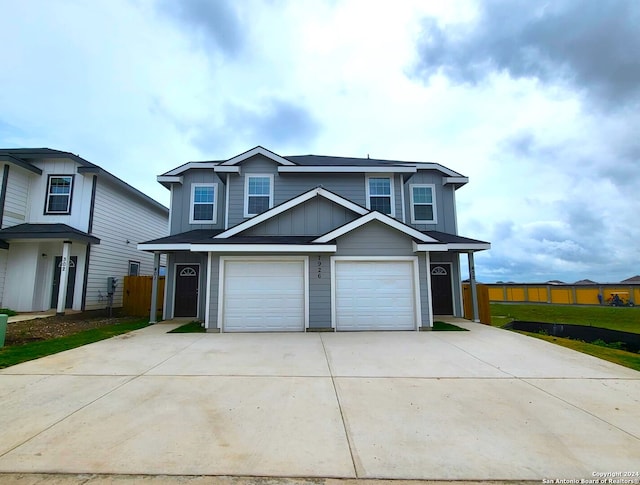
59, 194
203, 204
380, 194
258, 194
423, 204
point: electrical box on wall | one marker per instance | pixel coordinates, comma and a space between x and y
111, 285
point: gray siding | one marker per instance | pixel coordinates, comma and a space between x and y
319, 291
181, 201
314, 217
445, 200
213, 298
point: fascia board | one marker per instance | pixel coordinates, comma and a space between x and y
264, 248
455, 180
226, 169
258, 151
439, 168
469, 246
170, 179
190, 165
255, 220
429, 247
164, 247
389, 221
343, 169
21, 163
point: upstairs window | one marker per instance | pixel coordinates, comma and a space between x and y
423, 205
59, 194
203, 204
380, 194
258, 194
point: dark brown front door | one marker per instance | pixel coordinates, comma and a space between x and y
441, 291
70, 284
186, 301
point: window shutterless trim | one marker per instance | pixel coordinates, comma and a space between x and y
414, 220
391, 195
193, 203
135, 263
246, 192
49, 194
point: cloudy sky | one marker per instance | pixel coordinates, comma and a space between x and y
536, 101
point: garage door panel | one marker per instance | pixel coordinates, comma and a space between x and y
263, 296
375, 295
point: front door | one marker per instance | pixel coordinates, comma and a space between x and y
441, 290
70, 285
186, 301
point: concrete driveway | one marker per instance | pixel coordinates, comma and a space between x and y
485, 404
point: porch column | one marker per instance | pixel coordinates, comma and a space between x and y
64, 277
472, 284
153, 317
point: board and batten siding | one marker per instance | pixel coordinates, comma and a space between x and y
377, 239
120, 221
16, 202
314, 217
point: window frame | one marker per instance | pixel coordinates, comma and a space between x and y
391, 194
134, 263
247, 195
193, 203
48, 195
413, 204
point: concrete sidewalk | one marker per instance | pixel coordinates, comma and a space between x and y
481, 405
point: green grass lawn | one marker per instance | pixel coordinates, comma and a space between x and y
191, 327
615, 318
627, 359
34, 350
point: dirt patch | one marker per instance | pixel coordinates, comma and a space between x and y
59, 326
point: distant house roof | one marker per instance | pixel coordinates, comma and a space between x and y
46, 231
633, 280
585, 282
555, 282
24, 157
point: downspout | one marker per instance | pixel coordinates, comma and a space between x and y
226, 204
427, 255
402, 197
207, 299
87, 254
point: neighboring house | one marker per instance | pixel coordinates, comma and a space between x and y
66, 225
634, 280
262, 242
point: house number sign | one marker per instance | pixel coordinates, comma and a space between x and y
319, 266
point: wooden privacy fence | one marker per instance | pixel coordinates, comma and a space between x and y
484, 311
136, 297
562, 294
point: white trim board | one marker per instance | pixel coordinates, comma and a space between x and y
258, 151
345, 169
279, 209
374, 216
264, 248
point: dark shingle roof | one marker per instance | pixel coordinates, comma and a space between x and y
445, 237
329, 161
46, 231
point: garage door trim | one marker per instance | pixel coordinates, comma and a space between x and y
221, 279
416, 282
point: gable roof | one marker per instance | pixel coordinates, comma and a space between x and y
634, 279
279, 209
258, 151
380, 217
314, 164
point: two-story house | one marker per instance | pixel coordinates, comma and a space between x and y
262, 242
66, 226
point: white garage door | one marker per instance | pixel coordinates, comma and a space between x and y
263, 296
375, 295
